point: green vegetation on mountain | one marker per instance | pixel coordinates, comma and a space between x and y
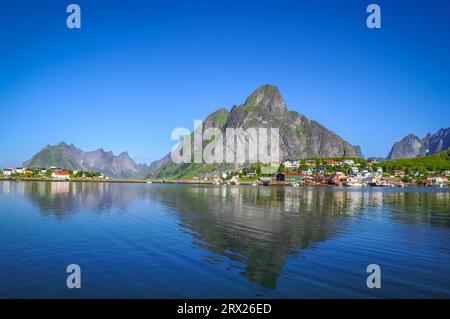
437, 163
70, 157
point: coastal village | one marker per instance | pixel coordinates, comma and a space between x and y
51, 173
349, 172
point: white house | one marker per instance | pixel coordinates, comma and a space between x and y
20, 170
368, 175
348, 162
380, 170
291, 164
399, 172
61, 176
355, 169
8, 171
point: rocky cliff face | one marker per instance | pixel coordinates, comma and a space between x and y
409, 146
299, 137
71, 157
439, 141
413, 146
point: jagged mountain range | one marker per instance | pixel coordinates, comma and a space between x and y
300, 137
413, 146
69, 156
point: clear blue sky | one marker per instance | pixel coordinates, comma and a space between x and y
138, 69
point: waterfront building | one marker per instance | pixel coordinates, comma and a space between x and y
8, 171
61, 176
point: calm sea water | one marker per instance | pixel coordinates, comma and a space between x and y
168, 241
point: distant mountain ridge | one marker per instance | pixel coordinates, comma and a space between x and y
71, 157
413, 146
300, 137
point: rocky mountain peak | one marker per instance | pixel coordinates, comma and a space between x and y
299, 137
267, 97
409, 146
412, 146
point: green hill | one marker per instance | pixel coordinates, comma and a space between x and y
438, 162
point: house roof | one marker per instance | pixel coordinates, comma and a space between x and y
61, 173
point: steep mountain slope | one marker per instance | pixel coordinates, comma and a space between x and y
69, 156
413, 146
439, 141
409, 146
266, 108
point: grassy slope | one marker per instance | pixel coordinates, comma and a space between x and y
436, 162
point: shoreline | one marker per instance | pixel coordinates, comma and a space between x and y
131, 181
177, 182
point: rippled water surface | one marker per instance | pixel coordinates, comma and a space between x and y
169, 241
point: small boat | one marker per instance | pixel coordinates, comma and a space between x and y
149, 182
295, 184
234, 180
254, 184
354, 182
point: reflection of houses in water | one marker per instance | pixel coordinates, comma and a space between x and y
431, 208
374, 199
6, 187
354, 201
13, 187
61, 188
60, 198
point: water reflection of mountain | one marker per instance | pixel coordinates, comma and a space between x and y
61, 198
260, 227
429, 208
255, 227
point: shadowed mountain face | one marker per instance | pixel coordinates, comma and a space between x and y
439, 141
299, 137
413, 146
71, 157
409, 146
